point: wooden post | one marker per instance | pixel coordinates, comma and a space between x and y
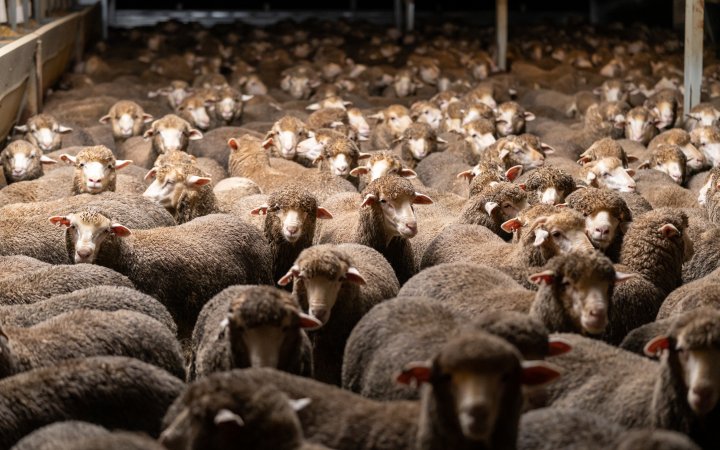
39, 76
37, 7
410, 18
694, 21
105, 14
12, 13
501, 25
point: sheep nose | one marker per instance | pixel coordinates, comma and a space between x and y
702, 392
320, 314
479, 413
94, 180
292, 229
412, 226
603, 230
84, 253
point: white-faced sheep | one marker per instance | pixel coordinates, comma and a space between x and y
510, 118
170, 133
707, 140
127, 119
171, 263
44, 132
87, 333
394, 120
680, 393
695, 158
113, 391
417, 142
252, 326
337, 285
701, 115
669, 159
548, 185
283, 138
183, 189
640, 125
94, 170
217, 413
22, 161
382, 218
464, 404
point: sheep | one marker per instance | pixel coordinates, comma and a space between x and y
44, 132
343, 282
556, 428
409, 328
662, 191
232, 250
95, 170
606, 148
289, 225
175, 92
544, 235
655, 247
170, 133
112, 391
327, 118
379, 164
664, 104
701, 115
394, 120
668, 159
640, 125
340, 155
229, 104
252, 326
679, 393
426, 112
510, 118
240, 187
84, 333
248, 159
548, 185
453, 117
573, 294
127, 119
707, 140
23, 161
59, 434
100, 298
384, 221
24, 229
479, 135
608, 173
284, 136
218, 413
448, 414
183, 189
494, 205
299, 81
418, 141
513, 151
197, 107
607, 217
701, 291
36, 285
675, 136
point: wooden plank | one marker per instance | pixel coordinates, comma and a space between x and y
501, 25
694, 26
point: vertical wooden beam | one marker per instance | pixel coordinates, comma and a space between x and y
37, 6
12, 13
39, 76
410, 18
105, 18
501, 25
694, 26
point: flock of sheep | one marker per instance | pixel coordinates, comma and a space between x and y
334, 235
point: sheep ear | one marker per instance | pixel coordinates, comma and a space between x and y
467, 174
590, 177
490, 207
120, 163
546, 277
512, 225
21, 128
584, 160
529, 116
558, 346
422, 199
260, 210
288, 277
415, 373
151, 174
353, 275
369, 199
246, 97
69, 159
407, 173
538, 373
360, 170
60, 221
656, 346
378, 116
148, 133
440, 140
313, 107
540, 237
630, 172
105, 119
503, 153
513, 172
299, 404
232, 143
621, 277
147, 118
668, 230
308, 322
362, 155
227, 417
120, 230
645, 165
194, 134
194, 181
47, 160
631, 158
323, 213
547, 149
62, 129
267, 143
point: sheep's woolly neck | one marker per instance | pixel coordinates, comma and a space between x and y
591, 200
546, 177
646, 251
324, 260
264, 305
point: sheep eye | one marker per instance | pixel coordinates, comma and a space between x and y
110, 166
474, 135
659, 164
82, 165
383, 201
556, 234
605, 175
32, 156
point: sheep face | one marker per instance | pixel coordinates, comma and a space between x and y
195, 109
44, 132
510, 119
285, 135
404, 84
299, 85
701, 373
640, 125
671, 160
171, 133
694, 157
426, 112
358, 123
396, 117
514, 151
87, 231
702, 116
707, 140
666, 111
127, 119
175, 93
23, 161
601, 227
171, 184
419, 140
561, 233
396, 207
95, 169
609, 173
381, 164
